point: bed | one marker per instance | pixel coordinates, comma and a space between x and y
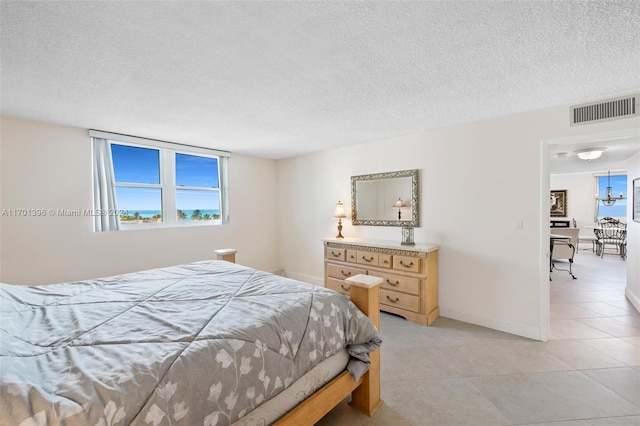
208, 342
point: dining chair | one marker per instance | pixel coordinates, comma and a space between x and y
611, 232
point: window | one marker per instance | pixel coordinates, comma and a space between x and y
198, 189
137, 178
618, 187
162, 184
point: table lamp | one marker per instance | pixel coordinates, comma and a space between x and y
339, 213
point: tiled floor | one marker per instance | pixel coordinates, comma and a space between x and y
457, 374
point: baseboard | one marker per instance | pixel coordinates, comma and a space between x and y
506, 326
633, 298
305, 278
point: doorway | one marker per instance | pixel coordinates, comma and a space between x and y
594, 305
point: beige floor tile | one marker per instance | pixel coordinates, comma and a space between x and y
564, 296
620, 350
607, 296
570, 311
604, 308
565, 395
581, 356
633, 320
623, 381
424, 363
567, 423
633, 340
611, 326
458, 402
531, 357
479, 359
563, 329
522, 399
402, 403
616, 421
624, 304
587, 396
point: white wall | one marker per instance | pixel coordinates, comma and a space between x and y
633, 237
581, 204
46, 166
475, 181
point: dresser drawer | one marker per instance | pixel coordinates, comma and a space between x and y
341, 272
352, 256
398, 283
367, 258
406, 263
399, 300
338, 285
335, 254
385, 260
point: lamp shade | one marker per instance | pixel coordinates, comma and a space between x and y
399, 203
589, 154
339, 211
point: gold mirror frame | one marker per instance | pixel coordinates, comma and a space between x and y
415, 207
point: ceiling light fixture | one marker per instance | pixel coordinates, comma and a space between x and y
589, 154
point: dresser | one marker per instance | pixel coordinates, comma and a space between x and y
409, 274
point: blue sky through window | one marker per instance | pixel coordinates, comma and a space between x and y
138, 165
139, 199
192, 170
188, 199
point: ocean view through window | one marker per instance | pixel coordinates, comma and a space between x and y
158, 184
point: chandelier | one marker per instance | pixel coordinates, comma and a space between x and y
609, 200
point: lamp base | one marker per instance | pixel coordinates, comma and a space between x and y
339, 229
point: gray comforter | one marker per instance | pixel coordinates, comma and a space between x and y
202, 343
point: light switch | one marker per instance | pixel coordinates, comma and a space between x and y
517, 224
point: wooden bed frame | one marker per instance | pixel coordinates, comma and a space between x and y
365, 393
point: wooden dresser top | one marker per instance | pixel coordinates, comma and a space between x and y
381, 244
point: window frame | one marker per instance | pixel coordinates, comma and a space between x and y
177, 187
167, 170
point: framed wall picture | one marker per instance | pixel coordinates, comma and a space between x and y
558, 203
636, 200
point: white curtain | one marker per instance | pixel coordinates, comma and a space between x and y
104, 188
224, 188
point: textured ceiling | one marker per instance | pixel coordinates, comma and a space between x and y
277, 79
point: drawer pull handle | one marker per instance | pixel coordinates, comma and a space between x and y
393, 284
336, 254
405, 265
367, 260
396, 300
345, 288
346, 274
385, 261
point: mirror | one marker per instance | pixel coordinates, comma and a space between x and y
379, 199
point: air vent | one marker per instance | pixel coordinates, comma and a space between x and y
610, 109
